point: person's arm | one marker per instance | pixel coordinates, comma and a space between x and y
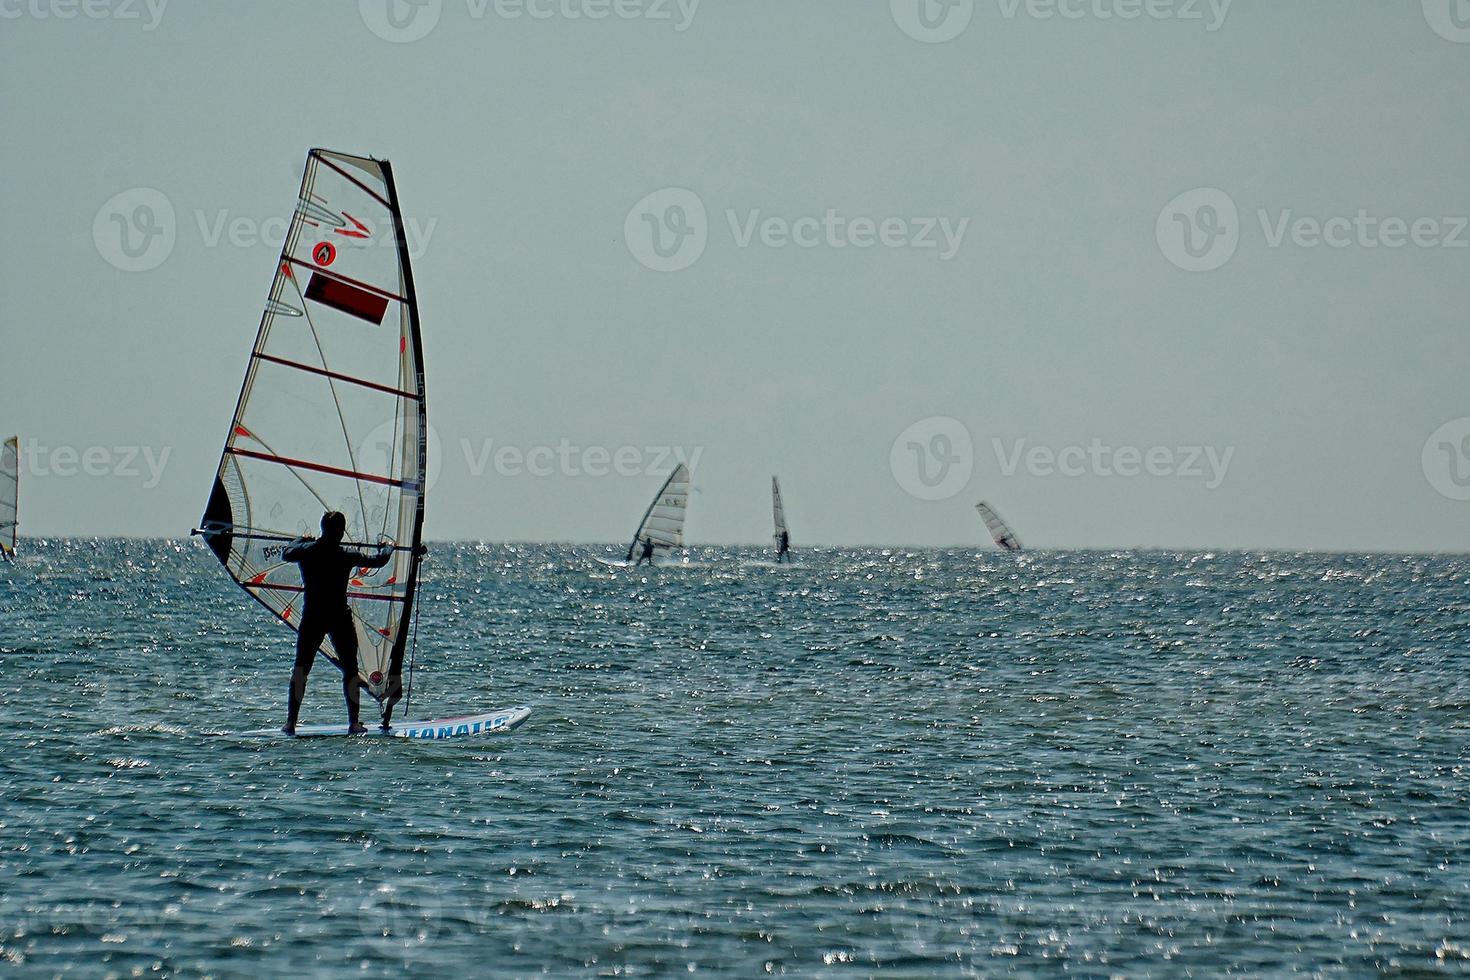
296, 550
363, 559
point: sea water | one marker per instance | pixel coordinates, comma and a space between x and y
891, 762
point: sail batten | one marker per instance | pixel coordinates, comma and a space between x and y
663, 522
999, 530
331, 413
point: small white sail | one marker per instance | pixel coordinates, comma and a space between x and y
9, 494
1003, 535
663, 523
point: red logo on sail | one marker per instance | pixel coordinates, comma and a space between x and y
361, 231
324, 254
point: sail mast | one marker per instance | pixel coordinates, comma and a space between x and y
395, 670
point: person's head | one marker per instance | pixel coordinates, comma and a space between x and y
334, 526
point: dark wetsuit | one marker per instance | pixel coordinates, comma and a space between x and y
325, 570
783, 546
647, 553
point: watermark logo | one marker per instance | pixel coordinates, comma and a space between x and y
138, 229
1446, 459
932, 21
1450, 19
933, 459
1212, 13
150, 12
146, 463
135, 230
404, 21
400, 21
1199, 231
380, 453
402, 918
668, 230
835, 230
1208, 464
567, 459
244, 231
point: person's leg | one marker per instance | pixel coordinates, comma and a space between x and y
344, 642
308, 639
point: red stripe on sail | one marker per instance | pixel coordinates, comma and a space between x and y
274, 587
347, 298
316, 467
334, 376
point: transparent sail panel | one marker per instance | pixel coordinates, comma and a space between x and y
663, 524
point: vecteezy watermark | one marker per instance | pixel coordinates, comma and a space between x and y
380, 452
148, 12
933, 459
570, 460
937, 21
1201, 230
1450, 19
137, 230
1446, 459
405, 21
115, 462
1097, 459
1211, 13
401, 918
221, 227
932, 21
668, 231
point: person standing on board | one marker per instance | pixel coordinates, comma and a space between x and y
326, 567
646, 555
783, 547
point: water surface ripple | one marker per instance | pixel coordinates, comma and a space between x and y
874, 763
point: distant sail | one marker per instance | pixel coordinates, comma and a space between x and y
1003, 535
9, 494
663, 523
778, 513
331, 415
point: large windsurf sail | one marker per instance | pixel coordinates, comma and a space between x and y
9, 494
1003, 535
782, 537
663, 523
331, 415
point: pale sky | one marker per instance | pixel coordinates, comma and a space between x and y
1020, 269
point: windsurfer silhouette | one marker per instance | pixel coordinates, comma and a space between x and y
326, 567
646, 555
783, 547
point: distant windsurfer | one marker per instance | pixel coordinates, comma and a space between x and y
646, 555
326, 567
783, 546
